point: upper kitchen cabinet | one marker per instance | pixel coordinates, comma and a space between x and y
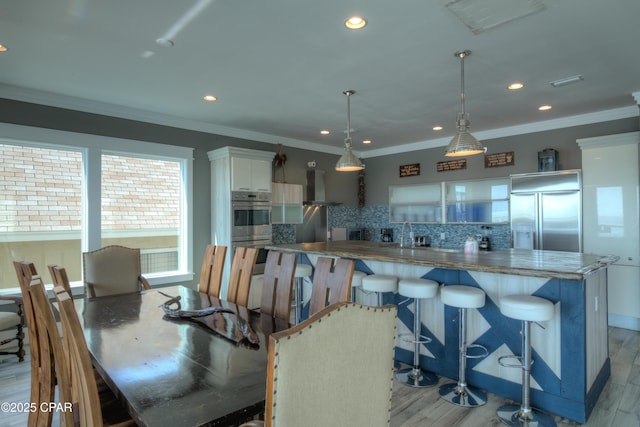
415, 203
287, 203
478, 201
251, 171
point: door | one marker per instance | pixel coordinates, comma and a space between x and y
560, 221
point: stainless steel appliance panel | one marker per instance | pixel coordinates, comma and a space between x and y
546, 211
250, 220
314, 225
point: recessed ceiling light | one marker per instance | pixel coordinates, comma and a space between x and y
3, 48
545, 107
324, 132
437, 128
366, 141
515, 86
210, 98
355, 23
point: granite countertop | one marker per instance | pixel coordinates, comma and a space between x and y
523, 262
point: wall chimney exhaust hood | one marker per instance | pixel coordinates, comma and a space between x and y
315, 194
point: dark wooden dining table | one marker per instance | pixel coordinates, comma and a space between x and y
178, 372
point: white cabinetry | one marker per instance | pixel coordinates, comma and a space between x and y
480, 201
287, 203
611, 180
250, 173
234, 169
415, 203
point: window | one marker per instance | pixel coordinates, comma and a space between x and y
70, 193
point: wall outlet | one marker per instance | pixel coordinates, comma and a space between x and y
441, 236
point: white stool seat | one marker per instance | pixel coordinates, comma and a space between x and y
380, 283
303, 270
462, 296
356, 280
527, 307
418, 288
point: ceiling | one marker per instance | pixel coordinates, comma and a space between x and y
278, 68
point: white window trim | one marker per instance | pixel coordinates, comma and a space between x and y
92, 147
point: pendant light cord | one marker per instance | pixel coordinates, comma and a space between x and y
462, 55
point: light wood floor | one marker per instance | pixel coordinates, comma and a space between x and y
618, 406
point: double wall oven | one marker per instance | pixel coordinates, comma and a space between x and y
251, 223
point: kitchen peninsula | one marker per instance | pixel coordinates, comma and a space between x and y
570, 351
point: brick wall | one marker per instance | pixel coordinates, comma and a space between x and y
40, 190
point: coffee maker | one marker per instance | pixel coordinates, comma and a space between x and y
483, 243
386, 234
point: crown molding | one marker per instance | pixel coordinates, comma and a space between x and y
563, 122
102, 108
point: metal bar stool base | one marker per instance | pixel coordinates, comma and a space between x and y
416, 378
513, 415
465, 396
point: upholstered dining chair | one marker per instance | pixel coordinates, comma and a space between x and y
212, 267
277, 285
346, 354
113, 270
331, 283
91, 407
13, 320
244, 261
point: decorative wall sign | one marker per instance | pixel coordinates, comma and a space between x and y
410, 170
498, 159
452, 165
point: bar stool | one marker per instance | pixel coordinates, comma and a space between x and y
379, 283
526, 308
301, 271
417, 289
459, 393
356, 282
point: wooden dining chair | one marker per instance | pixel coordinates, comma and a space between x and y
277, 285
55, 363
331, 283
40, 366
92, 408
346, 352
244, 261
212, 267
113, 270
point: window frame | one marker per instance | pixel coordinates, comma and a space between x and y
91, 148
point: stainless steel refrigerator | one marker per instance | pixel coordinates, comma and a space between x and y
546, 211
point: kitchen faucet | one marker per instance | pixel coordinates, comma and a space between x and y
411, 236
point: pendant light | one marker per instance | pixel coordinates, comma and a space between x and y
348, 162
463, 144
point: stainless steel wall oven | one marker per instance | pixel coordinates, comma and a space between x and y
251, 222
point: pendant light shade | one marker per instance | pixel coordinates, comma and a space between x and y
463, 143
348, 162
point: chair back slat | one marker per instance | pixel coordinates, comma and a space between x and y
59, 277
244, 261
212, 267
331, 283
277, 285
